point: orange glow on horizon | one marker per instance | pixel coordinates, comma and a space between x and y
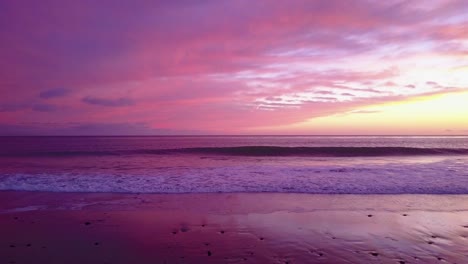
426, 115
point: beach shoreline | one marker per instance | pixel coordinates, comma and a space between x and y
42, 227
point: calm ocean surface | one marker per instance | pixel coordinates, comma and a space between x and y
192, 164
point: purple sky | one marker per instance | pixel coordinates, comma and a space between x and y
229, 67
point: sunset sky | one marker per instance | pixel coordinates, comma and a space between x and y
233, 67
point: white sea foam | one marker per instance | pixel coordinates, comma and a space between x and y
25, 209
449, 176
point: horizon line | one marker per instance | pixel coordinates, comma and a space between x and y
247, 135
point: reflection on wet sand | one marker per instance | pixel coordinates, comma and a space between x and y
231, 228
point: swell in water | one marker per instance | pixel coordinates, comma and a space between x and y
324, 151
323, 165
257, 151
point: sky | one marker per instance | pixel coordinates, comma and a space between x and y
323, 67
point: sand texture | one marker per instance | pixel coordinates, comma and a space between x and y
232, 228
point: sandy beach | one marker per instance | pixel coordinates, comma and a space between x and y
268, 131
39, 227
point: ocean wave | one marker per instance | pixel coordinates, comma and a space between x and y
324, 151
447, 176
256, 151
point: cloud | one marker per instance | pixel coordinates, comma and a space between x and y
53, 93
324, 92
120, 129
175, 40
216, 65
457, 131
44, 108
11, 107
365, 111
88, 129
119, 102
38, 107
273, 99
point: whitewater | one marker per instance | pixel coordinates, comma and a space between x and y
284, 164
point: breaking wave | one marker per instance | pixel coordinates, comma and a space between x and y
260, 151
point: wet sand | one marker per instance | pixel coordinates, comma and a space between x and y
232, 228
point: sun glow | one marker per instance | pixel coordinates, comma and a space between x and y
436, 114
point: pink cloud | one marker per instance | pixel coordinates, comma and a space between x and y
212, 65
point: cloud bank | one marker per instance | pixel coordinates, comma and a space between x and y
222, 66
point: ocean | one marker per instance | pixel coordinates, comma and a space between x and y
206, 164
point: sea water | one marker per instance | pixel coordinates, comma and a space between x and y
199, 164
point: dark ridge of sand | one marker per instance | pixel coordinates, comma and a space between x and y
232, 228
